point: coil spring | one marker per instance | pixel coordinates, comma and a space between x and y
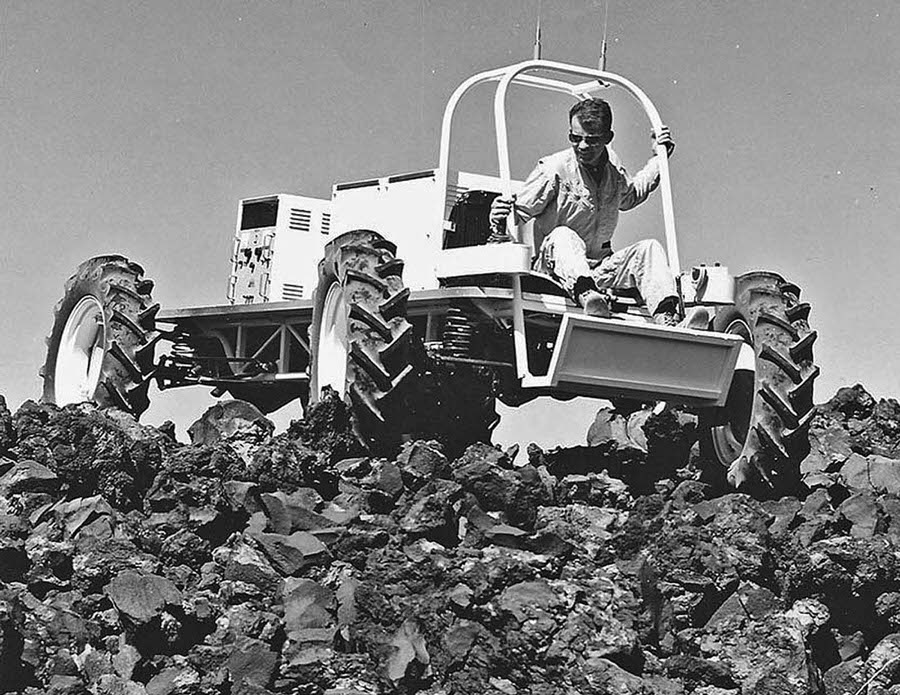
456, 340
182, 346
199, 354
182, 349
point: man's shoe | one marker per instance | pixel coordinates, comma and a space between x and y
594, 304
665, 318
697, 319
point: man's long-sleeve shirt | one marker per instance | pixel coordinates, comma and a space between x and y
560, 192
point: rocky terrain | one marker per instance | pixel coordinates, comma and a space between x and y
250, 563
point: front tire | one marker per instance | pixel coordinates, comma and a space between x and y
360, 340
101, 345
761, 435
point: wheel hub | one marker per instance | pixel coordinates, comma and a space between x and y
79, 359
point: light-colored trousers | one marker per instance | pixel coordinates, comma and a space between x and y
642, 265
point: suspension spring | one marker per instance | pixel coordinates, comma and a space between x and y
459, 329
181, 348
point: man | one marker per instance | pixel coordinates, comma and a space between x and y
575, 197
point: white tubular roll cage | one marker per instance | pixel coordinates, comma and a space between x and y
518, 74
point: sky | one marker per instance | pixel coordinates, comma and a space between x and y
136, 127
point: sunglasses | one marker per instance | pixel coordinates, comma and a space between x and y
589, 140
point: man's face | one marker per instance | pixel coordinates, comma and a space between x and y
588, 142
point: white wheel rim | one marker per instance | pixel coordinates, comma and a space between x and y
727, 445
79, 359
331, 353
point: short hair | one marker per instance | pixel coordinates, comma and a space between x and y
593, 113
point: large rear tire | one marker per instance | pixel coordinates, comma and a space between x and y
101, 346
360, 340
761, 435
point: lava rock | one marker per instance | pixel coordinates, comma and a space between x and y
874, 473
231, 420
434, 513
420, 462
142, 597
482, 470
7, 430
766, 654
13, 672
749, 600
882, 667
408, 657
863, 514
291, 554
509, 536
610, 426
597, 489
587, 529
852, 402
76, 514
601, 675
300, 506
92, 451
846, 677
784, 511
276, 513
252, 662
173, 681
28, 476
14, 560
286, 464
246, 569
700, 671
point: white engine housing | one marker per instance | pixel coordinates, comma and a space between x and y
278, 242
411, 210
279, 239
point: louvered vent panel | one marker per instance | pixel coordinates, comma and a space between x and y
326, 223
453, 192
291, 291
300, 220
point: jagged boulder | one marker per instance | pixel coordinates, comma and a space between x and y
92, 451
7, 429
142, 597
487, 474
232, 420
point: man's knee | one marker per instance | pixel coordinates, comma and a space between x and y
563, 235
563, 241
649, 247
649, 251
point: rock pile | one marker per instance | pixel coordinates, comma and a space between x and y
250, 563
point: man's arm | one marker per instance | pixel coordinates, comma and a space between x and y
531, 200
638, 188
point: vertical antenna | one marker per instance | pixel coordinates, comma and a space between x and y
602, 65
537, 34
422, 80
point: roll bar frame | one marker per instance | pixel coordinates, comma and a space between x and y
518, 74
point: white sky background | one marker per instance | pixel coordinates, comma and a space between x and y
135, 127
